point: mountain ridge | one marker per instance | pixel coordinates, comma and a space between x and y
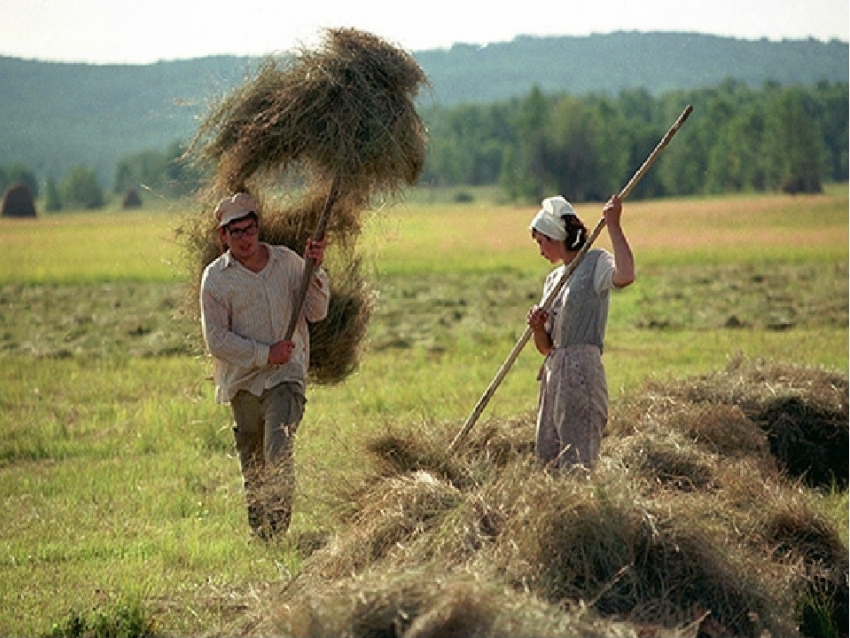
54, 115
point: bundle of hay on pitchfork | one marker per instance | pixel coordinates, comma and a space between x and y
338, 125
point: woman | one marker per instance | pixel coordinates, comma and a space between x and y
573, 401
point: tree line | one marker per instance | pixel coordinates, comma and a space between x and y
792, 139
168, 173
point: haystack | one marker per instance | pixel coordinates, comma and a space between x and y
343, 111
18, 201
689, 526
131, 199
334, 129
336, 342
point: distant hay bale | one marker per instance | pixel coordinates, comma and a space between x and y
131, 199
18, 202
344, 110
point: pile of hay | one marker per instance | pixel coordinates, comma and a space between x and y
131, 199
17, 201
344, 110
336, 124
689, 526
336, 343
800, 414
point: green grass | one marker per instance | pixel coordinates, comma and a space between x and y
117, 475
86, 247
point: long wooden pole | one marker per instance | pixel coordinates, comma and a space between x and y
309, 264
550, 298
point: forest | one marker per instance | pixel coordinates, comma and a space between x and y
532, 115
739, 139
792, 139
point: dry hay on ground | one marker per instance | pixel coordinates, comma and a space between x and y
689, 526
429, 603
800, 414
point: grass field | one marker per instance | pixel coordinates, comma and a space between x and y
121, 492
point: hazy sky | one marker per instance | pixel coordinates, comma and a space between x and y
143, 31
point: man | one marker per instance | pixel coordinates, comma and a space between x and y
247, 297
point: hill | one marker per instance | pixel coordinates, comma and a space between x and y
657, 62
57, 115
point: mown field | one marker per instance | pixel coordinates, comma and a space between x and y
121, 493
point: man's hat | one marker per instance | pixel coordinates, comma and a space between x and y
232, 208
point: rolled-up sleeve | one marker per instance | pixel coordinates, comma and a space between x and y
318, 297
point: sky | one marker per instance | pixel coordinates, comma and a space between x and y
147, 31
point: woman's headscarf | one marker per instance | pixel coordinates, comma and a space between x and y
550, 218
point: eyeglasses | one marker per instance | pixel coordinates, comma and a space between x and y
250, 230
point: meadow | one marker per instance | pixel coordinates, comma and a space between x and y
121, 492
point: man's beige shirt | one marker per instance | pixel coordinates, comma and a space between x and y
243, 313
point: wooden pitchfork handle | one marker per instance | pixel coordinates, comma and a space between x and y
309, 264
550, 298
